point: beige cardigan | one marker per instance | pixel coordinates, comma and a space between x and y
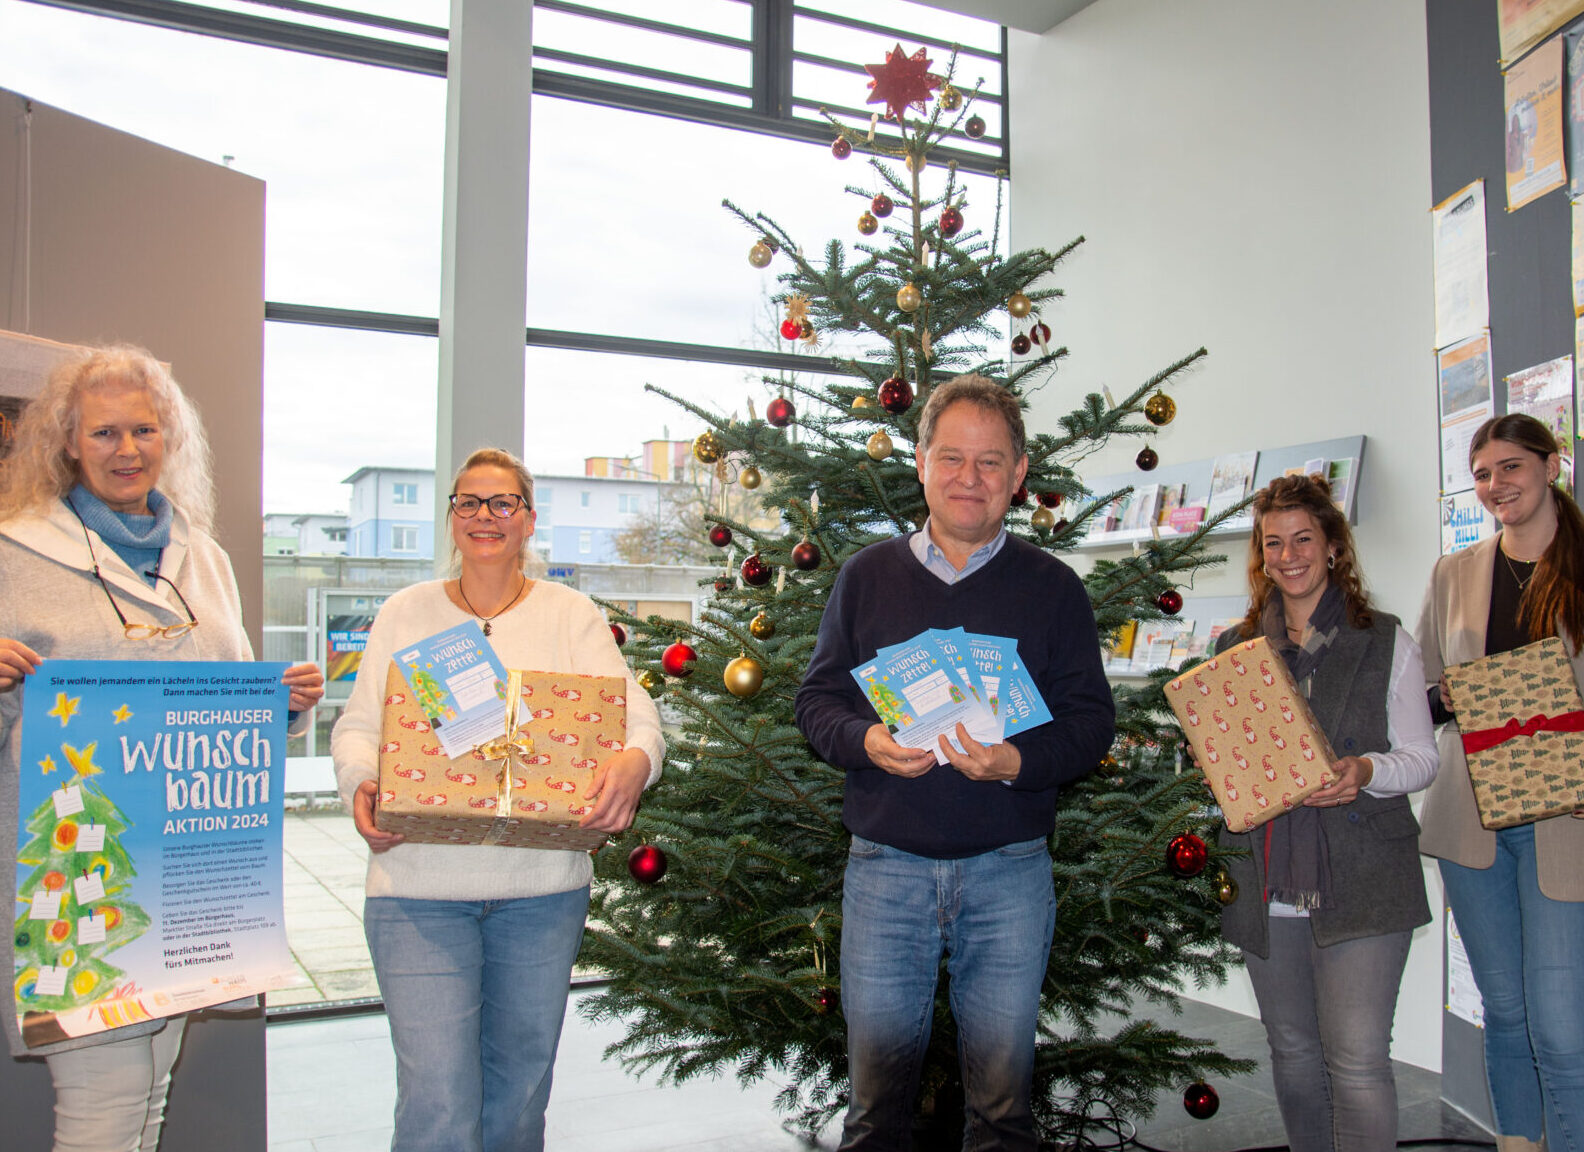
1451, 631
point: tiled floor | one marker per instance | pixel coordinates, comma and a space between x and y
332, 1082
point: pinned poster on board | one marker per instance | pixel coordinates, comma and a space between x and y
149, 853
1524, 23
1533, 105
1546, 393
1463, 376
1462, 295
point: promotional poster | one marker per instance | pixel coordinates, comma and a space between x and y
149, 848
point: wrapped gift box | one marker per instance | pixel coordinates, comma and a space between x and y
561, 728
1252, 733
1522, 722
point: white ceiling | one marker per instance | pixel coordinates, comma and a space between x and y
1027, 15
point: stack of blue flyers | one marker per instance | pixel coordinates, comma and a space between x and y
924, 687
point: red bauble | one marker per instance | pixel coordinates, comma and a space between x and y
951, 222
806, 555
755, 571
826, 1000
646, 863
779, 412
1186, 856
723, 583
881, 205
1201, 1101
896, 395
1040, 333
1020, 497
720, 535
902, 80
1169, 601
1060, 526
975, 127
620, 633
841, 148
678, 659
791, 329
1020, 345
1147, 459
1050, 499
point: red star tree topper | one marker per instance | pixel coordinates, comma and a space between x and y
902, 80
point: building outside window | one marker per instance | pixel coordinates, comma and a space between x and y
404, 493
585, 542
404, 538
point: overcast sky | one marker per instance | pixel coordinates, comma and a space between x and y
627, 235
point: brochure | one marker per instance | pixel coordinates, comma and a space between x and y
459, 683
920, 696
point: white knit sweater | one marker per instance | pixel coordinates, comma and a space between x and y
552, 629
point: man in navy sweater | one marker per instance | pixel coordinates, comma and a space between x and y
953, 857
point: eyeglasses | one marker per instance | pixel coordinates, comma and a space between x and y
501, 505
139, 631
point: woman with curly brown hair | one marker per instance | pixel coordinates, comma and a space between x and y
1331, 892
1517, 893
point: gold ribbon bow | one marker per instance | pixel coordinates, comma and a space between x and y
509, 749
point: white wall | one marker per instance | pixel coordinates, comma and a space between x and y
1252, 176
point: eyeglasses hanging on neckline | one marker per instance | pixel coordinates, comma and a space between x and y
128, 629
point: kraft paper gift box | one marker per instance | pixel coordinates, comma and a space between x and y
525, 788
1522, 722
1252, 732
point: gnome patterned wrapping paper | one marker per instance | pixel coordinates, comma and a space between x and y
1252, 733
556, 730
1522, 723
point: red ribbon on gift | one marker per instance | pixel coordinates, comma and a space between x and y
1487, 738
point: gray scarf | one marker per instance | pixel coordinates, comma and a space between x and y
1297, 858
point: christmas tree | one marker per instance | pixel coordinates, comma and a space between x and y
62, 849
731, 962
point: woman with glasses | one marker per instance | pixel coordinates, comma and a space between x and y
106, 501
473, 945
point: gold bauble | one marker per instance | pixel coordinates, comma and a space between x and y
1226, 887
707, 447
1043, 519
749, 477
759, 255
761, 627
744, 676
1019, 305
879, 446
950, 98
1159, 409
909, 298
651, 681
861, 402
867, 224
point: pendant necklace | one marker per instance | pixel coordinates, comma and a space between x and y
1512, 566
485, 620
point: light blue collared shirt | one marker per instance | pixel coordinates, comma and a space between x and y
934, 560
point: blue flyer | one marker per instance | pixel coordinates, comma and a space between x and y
460, 684
920, 694
149, 854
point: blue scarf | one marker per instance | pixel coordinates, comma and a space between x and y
136, 538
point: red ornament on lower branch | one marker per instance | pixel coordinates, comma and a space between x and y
1201, 1101
620, 633
779, 412
1170, 601
647, 864
755, 571
1186, 856
677, 660
720, 535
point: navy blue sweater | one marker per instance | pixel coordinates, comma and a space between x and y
885, 596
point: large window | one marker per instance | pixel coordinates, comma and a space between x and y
645, 117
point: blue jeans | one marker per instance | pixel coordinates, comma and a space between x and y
1328, 1016
1527, 954
992, 915
475, 991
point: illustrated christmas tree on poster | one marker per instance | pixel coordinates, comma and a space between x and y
743, 846
73, 877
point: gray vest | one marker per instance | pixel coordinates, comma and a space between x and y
1374, 843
